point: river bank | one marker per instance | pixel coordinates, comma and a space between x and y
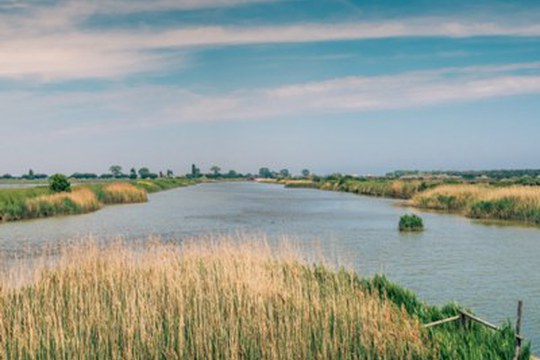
39, 202
237, 297
496, 201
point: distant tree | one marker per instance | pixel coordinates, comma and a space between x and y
116, 171
144, 173
105, 176
284, 173
29, 176
133, 174
265, 173
195, 171
215, 169
59, 183
83, 176
7, 176
170, 173
305, 173
232, 174
161, 174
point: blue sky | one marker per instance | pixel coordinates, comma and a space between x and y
335, 86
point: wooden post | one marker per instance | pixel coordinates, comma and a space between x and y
463, 320
518, 330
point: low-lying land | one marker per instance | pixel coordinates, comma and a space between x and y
38, 202
497, 201
517, 203
224, 299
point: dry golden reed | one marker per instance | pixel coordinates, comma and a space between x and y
77, 201
520, 203
223, 299
123, 193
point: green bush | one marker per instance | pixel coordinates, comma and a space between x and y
59, 183
411, 223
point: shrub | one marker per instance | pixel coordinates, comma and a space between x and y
59, 183
411, 223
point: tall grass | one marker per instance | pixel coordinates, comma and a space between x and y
520, 203
81, 200
12, 202
161, 184
199, 301
123, 193
398, 189
31, 203
221, 299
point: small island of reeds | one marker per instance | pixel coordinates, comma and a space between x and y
411, 222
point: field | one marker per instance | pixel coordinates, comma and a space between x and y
38, 202
222, 298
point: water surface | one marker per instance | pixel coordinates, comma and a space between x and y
483, 267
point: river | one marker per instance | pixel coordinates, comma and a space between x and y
483, 267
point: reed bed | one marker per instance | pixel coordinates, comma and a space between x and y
123, 193
161, 184
520, 203
224, 298
21, 204
38, 202
218, 300
12, 201
398, 189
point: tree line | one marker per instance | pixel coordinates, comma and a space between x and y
117, 172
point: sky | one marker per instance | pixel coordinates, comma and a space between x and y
358, 87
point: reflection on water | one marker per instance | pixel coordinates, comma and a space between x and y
486, 268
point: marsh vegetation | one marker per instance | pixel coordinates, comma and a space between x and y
226, 298
38, 202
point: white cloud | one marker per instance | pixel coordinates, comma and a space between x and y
47, 43
155, 106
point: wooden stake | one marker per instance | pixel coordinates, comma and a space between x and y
518, 330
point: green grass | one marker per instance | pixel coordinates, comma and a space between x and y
156, 185
12, 202
411, 223
452, 340
398, 189
38, 202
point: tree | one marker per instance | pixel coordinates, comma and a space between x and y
133, 174
215, 169
170, 173
284, 173
305, 173
195, 171
144, 173
59, 183
116, 171
265, 173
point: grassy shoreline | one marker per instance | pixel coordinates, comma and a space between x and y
38, 202
224, 298
499, 201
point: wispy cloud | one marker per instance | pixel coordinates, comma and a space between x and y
48, 43
150, 106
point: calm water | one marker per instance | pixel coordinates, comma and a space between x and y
487, 268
